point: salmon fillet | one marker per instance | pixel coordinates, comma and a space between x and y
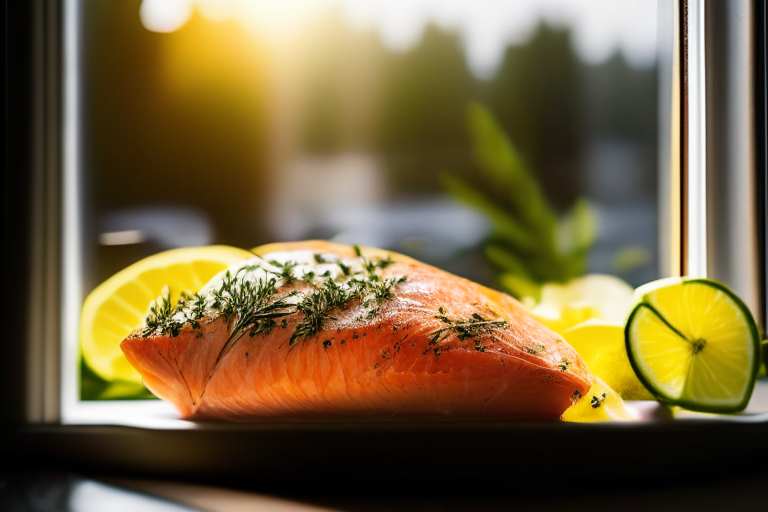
315, 329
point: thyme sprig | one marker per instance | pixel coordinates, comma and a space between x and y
474, 327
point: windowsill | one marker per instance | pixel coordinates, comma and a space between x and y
156, 414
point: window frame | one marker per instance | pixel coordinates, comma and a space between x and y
49, 428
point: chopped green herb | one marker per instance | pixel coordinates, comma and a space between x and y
344, 268
308, 276
318, 306
474, 327
255, 306
597, 402
252, 307
287, 272
163, 318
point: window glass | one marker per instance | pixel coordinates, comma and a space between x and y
513, 143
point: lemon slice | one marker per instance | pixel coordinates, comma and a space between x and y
693, 343
601, 345
601, 403
118, 305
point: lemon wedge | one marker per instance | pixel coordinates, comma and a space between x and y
601, 345
118, 305
601, 403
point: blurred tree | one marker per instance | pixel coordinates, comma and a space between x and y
537, 95
421, 91
175, 119
620, 103
421, 126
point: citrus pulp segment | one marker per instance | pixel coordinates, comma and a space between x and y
694, 344
118, 305
563, 306
601, 345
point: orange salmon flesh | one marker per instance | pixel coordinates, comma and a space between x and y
410, 359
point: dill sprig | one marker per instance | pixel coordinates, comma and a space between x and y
285, 272
318, 306
159, 319
255, 306
374, 292
382, 290
252, 307
472, 328
164, 317
192, 307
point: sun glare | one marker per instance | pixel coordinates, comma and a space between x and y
165, 15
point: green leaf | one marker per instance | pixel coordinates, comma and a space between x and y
493, 150
629, 258
576, 234
506, 261
504, 167
528, 244
578, 229
93, 387
505, 225
520, 287
122, 390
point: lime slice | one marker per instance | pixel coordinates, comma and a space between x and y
118, 305
601, 345
693, 343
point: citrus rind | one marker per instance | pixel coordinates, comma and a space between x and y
680, 363
118, 305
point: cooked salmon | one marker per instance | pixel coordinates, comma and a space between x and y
316, 329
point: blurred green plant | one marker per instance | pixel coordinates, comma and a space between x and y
93, 387
529, 243
630, 258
